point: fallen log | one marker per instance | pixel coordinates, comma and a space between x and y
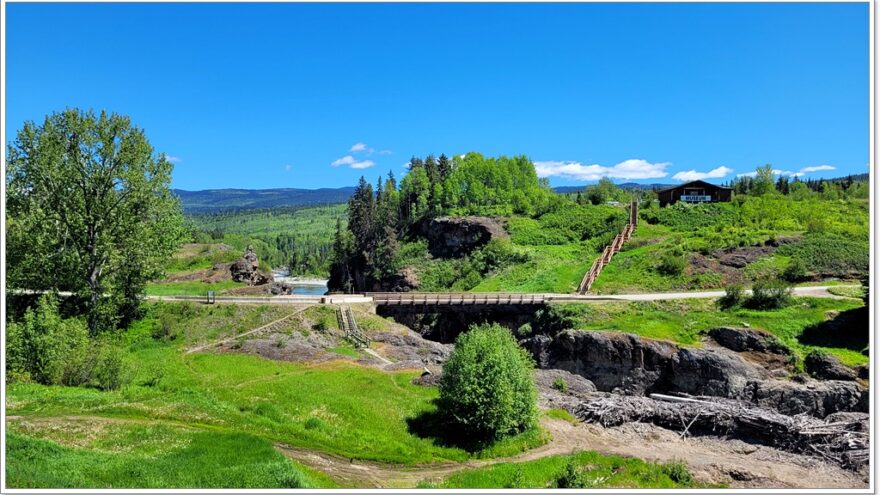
842, 442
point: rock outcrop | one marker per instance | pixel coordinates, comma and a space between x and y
631, 365
247, 269
450, 237
748, 339
827, 367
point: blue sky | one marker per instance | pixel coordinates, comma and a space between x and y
314, 95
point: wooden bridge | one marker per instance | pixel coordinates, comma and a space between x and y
459, 299
611, 249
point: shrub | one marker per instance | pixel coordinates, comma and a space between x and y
795, 271
671, 264
44, 345
487, 390
571, 477
111, 371
678, 473
733, 297
769, 293
560, 384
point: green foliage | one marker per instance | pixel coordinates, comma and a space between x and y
830, 254
49, 348
299, 238
583, 469
193, 459
671, 264
678, 472
566, 224
53, 350
795, 270
487, 390
769, 293
90, 210
733, 297
572, 477
560, 385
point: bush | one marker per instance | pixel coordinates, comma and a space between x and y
560, 384
44, 345
733, 297
795, 271
671, 264
111, 371
678, 473
769, 294
487, 390
571, 477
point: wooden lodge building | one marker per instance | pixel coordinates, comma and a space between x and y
696, 191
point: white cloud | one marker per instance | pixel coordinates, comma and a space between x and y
173, 159
358, 147
352, 162
816, 168
628, 169
715, 173
345, 160
789, 173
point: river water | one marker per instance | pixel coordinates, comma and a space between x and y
304, 286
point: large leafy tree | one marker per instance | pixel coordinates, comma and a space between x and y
89, 210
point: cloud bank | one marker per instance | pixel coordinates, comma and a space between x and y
715, 173
790, 173
628, 169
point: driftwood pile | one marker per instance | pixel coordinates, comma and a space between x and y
841, 438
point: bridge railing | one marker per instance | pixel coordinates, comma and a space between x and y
453, 298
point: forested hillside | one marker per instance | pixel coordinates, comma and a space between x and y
298, 238
214, 200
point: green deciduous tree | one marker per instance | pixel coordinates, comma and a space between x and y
89, 210
487, 390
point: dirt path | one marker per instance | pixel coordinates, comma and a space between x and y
710, 460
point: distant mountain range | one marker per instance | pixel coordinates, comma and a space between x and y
211, 200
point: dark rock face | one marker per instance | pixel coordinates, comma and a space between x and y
247, 269
815, 398
631, 365
404, 281
827, 367
612, 361
864, 371
280, 289
450, 237
574, 384
702, 372
747, 339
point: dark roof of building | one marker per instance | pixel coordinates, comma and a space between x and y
693, 183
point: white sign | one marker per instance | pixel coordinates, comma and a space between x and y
696, 199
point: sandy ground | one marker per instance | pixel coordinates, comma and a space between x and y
711, 460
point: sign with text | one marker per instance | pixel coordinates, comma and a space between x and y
696, 198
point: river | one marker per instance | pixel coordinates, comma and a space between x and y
301, 285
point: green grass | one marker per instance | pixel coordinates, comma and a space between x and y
345, 351
854, 292
193, 288
550, 268
201, 256
598, 471
337, 407
685, 321
155, 456
561, 414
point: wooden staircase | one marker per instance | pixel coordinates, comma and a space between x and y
611, 249
349, 326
